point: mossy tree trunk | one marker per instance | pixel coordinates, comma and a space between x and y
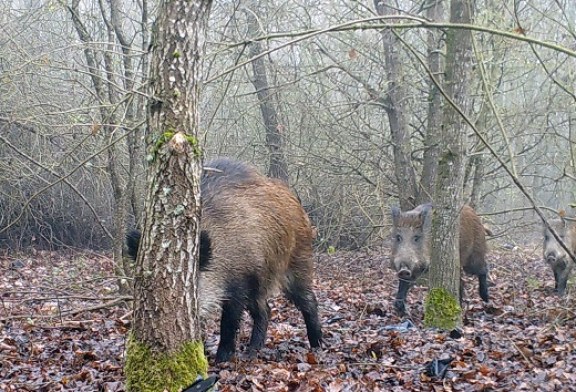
442, 305
164, 352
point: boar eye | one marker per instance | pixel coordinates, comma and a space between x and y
417, 238
398, 238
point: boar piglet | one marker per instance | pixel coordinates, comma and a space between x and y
560, 261
411, 233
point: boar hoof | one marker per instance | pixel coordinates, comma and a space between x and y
251, 354
224, 356
400, 307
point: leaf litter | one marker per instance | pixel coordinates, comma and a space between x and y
64, 328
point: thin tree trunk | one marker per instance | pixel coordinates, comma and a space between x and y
132, 108
165, 350
435, 12
477, 181
107, 96
278, 167
397, 117
442, 308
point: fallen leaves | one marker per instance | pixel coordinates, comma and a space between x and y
525, 339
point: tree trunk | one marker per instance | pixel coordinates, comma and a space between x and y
103, 80
477, 181
435, 12
397, 116
165, 350
442, 307
278, 167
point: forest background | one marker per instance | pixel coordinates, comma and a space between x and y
313, 92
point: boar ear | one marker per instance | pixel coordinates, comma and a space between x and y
426, 215
395, 215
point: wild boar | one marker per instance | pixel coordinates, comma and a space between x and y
411, 248
558, 259
255, 239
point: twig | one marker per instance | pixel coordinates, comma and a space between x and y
520, 351
70, 297
68, 312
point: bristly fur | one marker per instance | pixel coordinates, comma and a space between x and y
559, 260
411, 247
256, 238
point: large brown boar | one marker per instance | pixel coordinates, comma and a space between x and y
560, 261
411, 248
255, 239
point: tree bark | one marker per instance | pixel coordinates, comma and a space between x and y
397, 116
435, 12
165, 351
442, 308
103, 81
278, 167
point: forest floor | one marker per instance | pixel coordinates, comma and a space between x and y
63, 328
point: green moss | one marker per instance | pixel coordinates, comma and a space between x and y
195, 144
148, 371
166, 137
441, 309
176, 54
160, 141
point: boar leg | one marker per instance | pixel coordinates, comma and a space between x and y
303, 297
483, 286
400, 302
561, 277
556, 279
229, 324
260, 313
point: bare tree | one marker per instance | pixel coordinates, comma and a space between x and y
395, 106
442, 304
165, 350
267, 98
435, 11
118, 111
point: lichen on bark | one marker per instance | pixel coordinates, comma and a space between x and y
441, 309
149, 371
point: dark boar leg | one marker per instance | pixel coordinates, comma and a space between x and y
305, 300
483, 286
229, 324
561, 280
400, 302
260, 313
556, 280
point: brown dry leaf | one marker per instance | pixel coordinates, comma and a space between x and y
352, 54
95, 128
311, 358
484, 370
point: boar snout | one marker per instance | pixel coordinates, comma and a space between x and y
404, 273
551, 256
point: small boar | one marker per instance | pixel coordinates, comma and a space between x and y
411, 248
255, 239
560, 261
